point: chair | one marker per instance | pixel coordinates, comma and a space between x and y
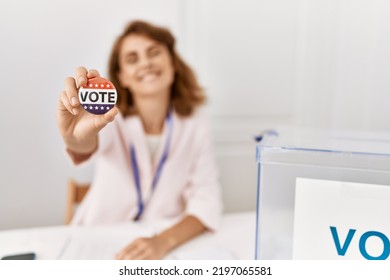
76, 193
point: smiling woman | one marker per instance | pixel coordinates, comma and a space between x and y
146, 66
146, 53
153, 157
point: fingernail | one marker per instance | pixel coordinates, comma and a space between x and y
75, 111
82, 80
73, 101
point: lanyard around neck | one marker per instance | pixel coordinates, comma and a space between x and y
157, 175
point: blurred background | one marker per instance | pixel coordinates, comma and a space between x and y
263, 63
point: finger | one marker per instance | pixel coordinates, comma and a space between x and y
71, 91
128, 254
132, 250
121, 255
93, 73
144, 255
81, 76
65, 105
140, 251
133, 254
103, 120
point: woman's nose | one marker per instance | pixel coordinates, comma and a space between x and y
145, 61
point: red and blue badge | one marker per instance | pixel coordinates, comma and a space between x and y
98, 96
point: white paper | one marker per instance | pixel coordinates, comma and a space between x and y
358, 210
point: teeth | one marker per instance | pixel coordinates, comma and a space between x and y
149, 77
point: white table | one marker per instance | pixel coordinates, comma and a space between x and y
234, 240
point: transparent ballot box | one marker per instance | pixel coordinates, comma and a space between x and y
323, 195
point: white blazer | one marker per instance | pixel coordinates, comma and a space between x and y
188, 184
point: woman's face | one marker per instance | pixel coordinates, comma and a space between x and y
145, 66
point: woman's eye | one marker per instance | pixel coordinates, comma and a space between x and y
131, 59
154, 52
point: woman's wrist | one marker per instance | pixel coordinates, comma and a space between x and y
81, 147
80, 153
186, 229
167, 241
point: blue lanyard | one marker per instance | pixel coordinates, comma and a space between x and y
160, 166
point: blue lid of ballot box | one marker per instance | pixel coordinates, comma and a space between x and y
325, 140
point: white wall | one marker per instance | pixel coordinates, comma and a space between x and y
287, 62
43, 42
262, 62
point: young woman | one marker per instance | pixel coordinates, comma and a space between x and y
153, 152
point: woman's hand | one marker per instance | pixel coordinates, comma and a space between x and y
159, 245
79, 128
152, 248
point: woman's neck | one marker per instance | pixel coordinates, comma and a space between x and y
153, 111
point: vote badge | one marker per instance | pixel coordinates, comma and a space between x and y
98, 96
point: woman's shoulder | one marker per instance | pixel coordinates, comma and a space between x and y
196, 127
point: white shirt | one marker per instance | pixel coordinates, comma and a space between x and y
153, 142
188, 185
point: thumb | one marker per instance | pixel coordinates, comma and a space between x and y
102, 120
